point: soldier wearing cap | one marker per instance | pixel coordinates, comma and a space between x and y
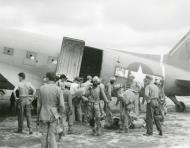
152, 109
94, 93
50, 108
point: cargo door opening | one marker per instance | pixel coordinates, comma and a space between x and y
91, 62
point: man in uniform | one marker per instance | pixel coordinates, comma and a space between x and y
26, 94
50, 107
162, 99
135, 86
76, 100
110, 92
68, 108
152, 109
127, 99
94, 94
104, 106
84, 103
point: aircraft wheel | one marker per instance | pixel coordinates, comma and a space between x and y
116, 123
180, 107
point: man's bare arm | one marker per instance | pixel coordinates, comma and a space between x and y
14, 92
33, 89
103, 94
84, 98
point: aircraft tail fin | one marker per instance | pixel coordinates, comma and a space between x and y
179, 56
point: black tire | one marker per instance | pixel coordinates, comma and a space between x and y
180, 108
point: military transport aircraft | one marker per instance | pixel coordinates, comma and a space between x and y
29, 55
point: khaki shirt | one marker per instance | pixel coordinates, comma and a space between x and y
96, 93
151, 92
50, 100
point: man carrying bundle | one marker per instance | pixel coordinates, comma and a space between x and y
127, 101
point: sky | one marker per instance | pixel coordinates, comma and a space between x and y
145, 26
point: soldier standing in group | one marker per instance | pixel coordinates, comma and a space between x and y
84, 103
110, 92
94, 94
77, 114
67, 116
50, 108
68, 105
26, 94
126, 99
162, 99
68, 110
135, 86
104, 106
152, 109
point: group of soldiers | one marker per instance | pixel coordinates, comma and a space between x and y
61, 103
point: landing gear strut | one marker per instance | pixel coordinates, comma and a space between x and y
179, 106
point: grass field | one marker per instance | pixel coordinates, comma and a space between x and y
176, 135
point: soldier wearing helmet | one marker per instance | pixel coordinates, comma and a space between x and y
94, 94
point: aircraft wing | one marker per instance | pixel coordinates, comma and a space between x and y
183, 82
5, 84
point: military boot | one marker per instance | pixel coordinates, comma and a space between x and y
70, 130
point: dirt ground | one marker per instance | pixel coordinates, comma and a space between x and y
176, 135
